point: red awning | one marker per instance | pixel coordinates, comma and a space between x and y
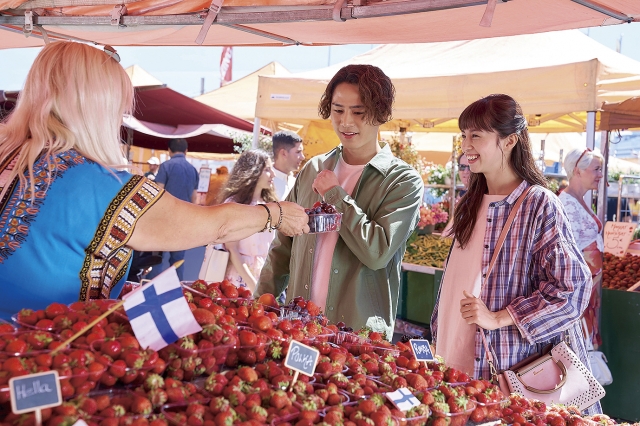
168, 107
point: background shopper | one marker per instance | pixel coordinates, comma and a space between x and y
250, 182
287, 157
584, 170
180, 179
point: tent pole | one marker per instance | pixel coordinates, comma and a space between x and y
602, 188
256, 132
454, 170
591, 143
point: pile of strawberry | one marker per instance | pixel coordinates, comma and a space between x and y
232, 371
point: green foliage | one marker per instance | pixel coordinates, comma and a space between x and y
437, 175
244, 141
407, 153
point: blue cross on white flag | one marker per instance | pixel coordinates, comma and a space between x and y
158, 312
403, 399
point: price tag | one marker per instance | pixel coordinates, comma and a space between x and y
421, 349
403, 399
302, 358
35, 392
203, 180
617, 236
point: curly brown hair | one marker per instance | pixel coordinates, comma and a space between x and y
375, 88
244, 178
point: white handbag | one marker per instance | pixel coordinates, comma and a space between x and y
597, 361
557, 377
214, 266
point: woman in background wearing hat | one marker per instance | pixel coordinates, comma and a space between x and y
154, 165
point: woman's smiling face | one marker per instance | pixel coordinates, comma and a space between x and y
484, 150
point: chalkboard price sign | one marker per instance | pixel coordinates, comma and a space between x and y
35, 392
421, 349
302, 358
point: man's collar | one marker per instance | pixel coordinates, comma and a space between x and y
281, 175
178, 154
381, 161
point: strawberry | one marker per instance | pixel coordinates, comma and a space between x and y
141, 405
204, 316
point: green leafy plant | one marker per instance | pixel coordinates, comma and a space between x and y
437, 174
406, 152
244, 141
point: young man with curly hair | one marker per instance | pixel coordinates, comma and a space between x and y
353, 274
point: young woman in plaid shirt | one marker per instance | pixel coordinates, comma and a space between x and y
540, 284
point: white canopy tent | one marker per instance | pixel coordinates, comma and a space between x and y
555, 77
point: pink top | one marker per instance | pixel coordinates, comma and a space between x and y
348, 176
456, 338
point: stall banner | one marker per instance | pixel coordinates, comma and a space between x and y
158, 312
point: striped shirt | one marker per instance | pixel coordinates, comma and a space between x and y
540, 277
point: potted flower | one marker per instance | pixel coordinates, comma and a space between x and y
430, 216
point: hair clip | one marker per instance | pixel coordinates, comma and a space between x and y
111, 52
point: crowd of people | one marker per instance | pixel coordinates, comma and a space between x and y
72, 213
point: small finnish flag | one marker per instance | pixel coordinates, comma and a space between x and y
403, 399
158, 312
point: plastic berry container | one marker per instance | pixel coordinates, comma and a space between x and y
324, 222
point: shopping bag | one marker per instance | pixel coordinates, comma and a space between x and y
214, 266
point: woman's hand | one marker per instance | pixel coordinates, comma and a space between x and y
294, 220
474, 311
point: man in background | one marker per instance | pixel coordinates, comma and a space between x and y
180, 179
287, 157
154, 164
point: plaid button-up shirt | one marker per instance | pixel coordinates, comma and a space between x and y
540, 277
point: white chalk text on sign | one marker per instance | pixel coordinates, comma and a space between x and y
421, 349
35, 392
302, 358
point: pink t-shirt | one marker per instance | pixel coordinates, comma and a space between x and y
348, 176
456, 338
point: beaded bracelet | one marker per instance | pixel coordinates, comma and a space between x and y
279, 219
267, 226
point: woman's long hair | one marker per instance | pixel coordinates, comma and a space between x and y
244, 178
74, 98
500, 114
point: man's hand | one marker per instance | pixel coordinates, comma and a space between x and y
325, 180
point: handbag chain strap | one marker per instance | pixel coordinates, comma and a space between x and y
494, 257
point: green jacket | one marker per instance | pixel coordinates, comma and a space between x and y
377, 220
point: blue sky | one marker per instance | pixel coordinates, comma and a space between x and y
182, 68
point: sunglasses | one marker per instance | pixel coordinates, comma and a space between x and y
582, 155
111, 52
463, 167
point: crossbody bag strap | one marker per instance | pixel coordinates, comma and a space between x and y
494, 257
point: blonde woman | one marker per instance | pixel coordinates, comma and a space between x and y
70, 214
584, 171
